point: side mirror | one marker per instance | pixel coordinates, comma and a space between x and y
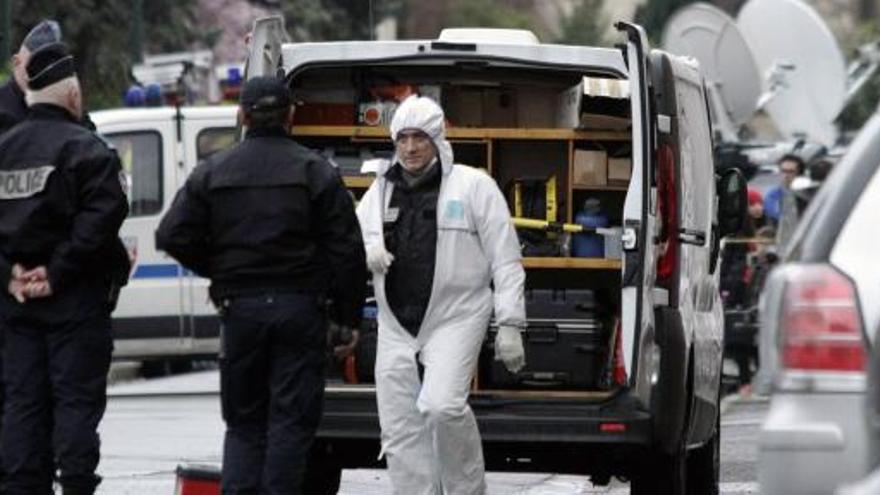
733, 203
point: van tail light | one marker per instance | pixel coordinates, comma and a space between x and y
618, 367
667, 196
820, 325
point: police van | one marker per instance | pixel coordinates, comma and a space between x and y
164, 312
625, 324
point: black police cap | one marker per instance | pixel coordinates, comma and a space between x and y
44, 33
264, 93
48, 65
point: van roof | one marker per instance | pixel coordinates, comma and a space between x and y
212, 112
599, 60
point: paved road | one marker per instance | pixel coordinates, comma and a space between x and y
144, 438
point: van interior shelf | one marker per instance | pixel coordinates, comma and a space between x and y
606, 187
465, 133
576, 263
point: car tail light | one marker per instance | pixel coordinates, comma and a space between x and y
820, 326
668, 205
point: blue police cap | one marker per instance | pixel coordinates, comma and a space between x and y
44, 33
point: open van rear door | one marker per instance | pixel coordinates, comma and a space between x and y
639, 220
264, 47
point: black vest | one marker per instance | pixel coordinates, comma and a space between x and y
411, 236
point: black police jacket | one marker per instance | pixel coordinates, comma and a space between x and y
269, 215
61, 205
13, 108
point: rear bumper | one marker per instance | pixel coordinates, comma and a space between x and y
812, 443
517, 434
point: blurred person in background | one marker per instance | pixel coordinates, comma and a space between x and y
817, 170
780, 204
13, 108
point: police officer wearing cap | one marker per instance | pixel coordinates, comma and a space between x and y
62, 263
13, 108
272, 225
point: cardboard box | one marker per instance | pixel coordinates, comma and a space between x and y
499, 108
619, 170
535, 108
589, 168
464, 107
599, 122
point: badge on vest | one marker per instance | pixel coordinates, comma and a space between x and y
18, 184
454, 210
391, 214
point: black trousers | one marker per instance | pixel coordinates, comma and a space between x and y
272, 390
56, 394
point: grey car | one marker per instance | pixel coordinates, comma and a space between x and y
818, 313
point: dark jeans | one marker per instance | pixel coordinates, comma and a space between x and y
56, 394
272, 390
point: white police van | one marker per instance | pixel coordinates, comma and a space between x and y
164, 311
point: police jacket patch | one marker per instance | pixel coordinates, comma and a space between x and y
18, 184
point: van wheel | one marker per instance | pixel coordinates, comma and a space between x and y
704, 464
323, 473
664, 474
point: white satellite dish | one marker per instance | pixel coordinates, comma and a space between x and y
708, 34
798, 54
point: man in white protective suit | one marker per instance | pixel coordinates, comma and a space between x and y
438, 236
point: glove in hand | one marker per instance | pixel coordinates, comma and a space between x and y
509, 348
378, 259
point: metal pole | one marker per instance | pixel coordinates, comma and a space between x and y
137, 31
372, 25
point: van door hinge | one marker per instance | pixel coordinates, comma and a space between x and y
661, 297
629, 238
664, 123
689, 236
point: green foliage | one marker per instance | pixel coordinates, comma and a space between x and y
334, 20
865, 103
585, 25
487, 13
654, 14
98, 32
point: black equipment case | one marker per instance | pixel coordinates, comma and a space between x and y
566, 354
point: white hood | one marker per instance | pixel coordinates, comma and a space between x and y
424, 114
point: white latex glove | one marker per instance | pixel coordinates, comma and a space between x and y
509, 348
378, 259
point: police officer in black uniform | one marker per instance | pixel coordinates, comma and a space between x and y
62, 263
13, 108
273, 227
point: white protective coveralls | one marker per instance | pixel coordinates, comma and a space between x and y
429, 433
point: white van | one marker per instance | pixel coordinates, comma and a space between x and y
624, 344
163, 312
626, 382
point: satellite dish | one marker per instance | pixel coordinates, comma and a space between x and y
708, 34
797, 52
